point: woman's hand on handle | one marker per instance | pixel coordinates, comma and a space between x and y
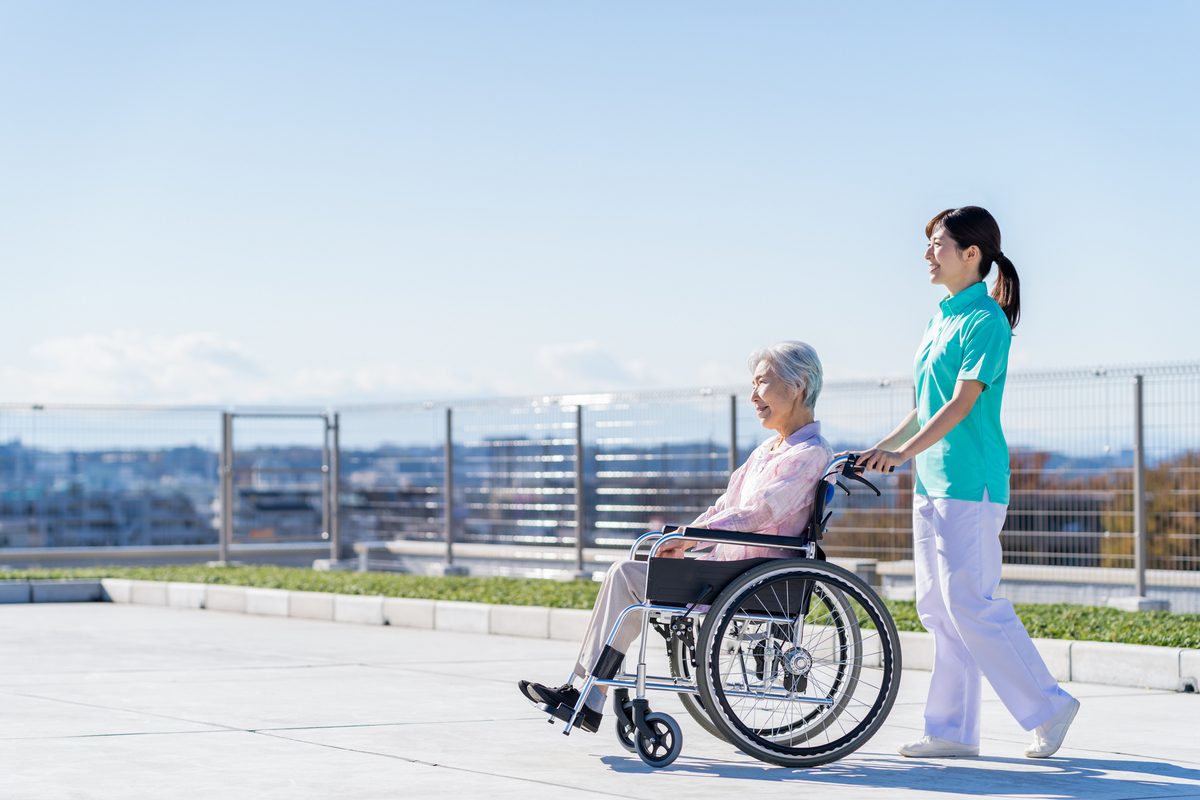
910, 439
878, 460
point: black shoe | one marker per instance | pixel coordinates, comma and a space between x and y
588, 719
566, 694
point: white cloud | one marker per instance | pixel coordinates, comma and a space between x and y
208, 368
133, 367
583, 366
127, 366
382, 382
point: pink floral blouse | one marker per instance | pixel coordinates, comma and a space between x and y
772, 493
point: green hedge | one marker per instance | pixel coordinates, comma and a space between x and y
1087, 623
511, 591
1044, 621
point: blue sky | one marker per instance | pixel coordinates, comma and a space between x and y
249, 202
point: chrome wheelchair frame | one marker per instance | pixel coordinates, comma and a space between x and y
748, 628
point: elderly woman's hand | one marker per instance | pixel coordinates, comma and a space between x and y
674, 548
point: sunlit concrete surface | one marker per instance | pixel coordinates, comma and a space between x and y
102, 700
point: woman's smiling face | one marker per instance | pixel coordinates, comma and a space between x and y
948, 266
776, 402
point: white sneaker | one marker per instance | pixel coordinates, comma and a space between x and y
937, 747
1048, 736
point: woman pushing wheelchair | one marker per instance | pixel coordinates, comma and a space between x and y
772, 493
961, 499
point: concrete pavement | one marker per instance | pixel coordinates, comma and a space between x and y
103, 700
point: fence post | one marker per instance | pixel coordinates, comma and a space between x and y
733, 453
335, 483
225, 534
1139, 491
448, 484
580, 517
325, 479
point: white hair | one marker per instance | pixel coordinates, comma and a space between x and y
797, 364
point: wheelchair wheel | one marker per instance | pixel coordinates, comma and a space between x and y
682, 660
626, 732
665, 747
799, 663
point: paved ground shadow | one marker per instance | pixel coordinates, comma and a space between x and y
1083, 778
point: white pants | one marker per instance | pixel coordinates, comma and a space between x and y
624, 586
956, 549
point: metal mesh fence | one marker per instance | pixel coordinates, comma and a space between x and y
1071, 441
392, 467
1172, 432
277, 479
123, 476
80, 476
659, 459
94, 476
856, 416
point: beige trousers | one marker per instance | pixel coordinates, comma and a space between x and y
624, 586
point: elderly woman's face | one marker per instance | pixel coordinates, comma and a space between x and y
775, 401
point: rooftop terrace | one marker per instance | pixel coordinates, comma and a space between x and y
104, 700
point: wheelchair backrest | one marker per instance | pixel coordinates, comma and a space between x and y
844, 467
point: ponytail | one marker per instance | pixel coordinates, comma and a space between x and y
974, 226
1007, 291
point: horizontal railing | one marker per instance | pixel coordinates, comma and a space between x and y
1091, 487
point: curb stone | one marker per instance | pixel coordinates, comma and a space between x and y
267, 602
311, 605
68, 591
186, 595
409, 612
360, 609
449, 615
148, 593
16, 592
1143, 666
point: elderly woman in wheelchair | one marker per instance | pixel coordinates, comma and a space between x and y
795, 661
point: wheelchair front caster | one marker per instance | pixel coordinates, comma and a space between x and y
623, 712
625, 735
664, 748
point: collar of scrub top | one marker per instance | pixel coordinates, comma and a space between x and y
955, 304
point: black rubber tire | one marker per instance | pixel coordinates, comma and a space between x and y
680, 656
832, 661
625, 735
663, 753
623, 720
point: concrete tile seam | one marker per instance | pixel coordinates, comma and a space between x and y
448, 766
112, 735
206, 671
391, 724
440, 672
122, 710
470, 617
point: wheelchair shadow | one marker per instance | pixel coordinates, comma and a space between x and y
1082, 778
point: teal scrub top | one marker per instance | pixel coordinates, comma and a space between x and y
967, 339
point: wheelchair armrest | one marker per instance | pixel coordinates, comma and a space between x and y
737, 537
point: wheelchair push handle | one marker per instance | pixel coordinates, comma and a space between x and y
847, 466
850, 464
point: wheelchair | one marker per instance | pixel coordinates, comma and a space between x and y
795, 661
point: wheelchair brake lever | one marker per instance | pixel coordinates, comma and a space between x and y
841, 486
857, 476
